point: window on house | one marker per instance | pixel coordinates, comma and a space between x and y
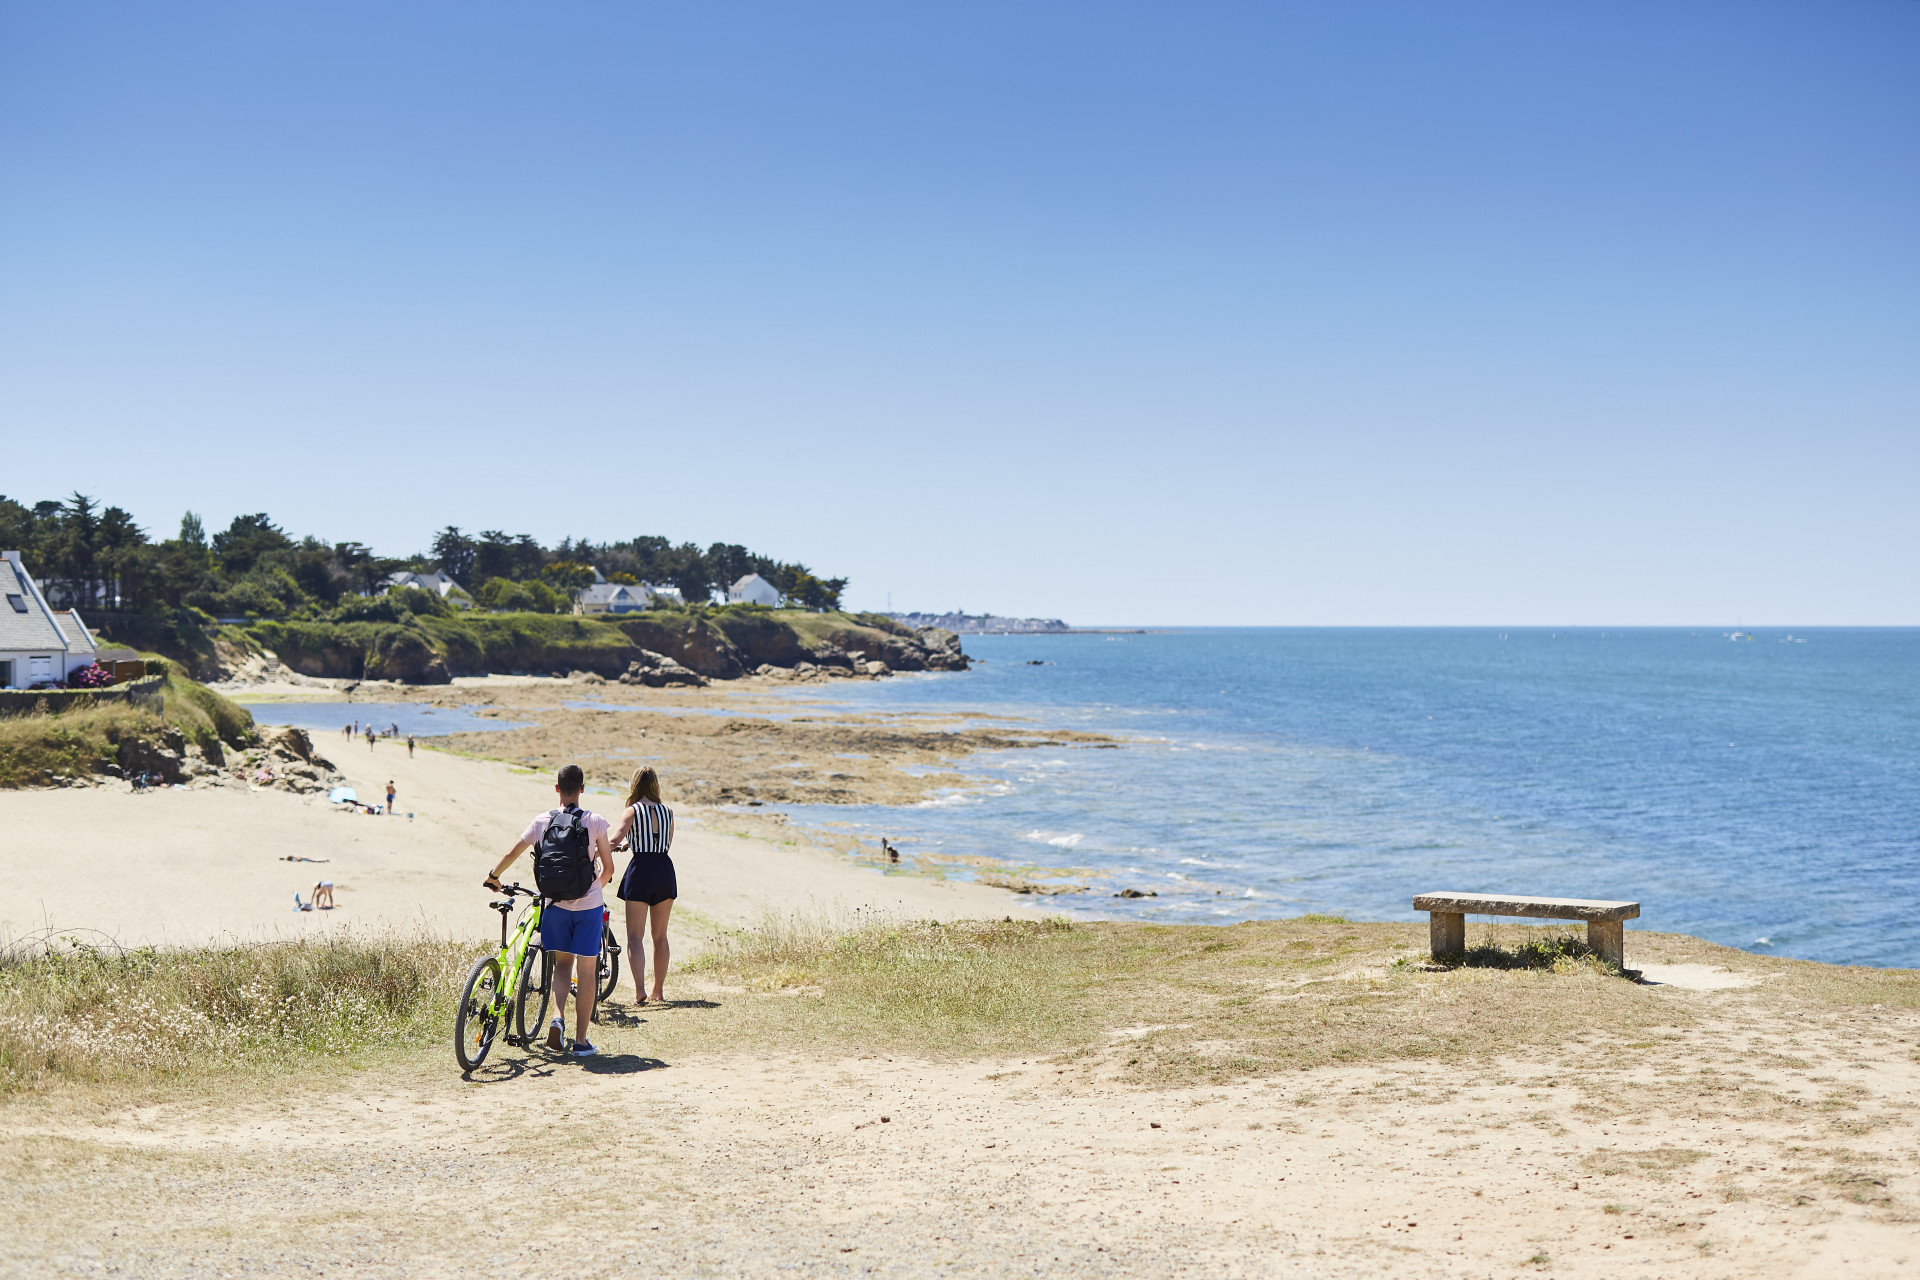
19, 603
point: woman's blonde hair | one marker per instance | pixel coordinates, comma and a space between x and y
646, 786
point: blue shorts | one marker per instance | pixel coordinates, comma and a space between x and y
577, 933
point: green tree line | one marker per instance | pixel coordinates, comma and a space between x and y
92, 557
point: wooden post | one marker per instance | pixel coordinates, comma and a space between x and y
1608, 940
1447, 934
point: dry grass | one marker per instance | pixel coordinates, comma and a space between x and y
89, 1016
1188, 1003
34, 748
1157, 1005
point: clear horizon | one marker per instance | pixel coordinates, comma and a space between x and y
1367, 314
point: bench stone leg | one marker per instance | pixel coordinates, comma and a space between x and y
1609, 941
1447, 933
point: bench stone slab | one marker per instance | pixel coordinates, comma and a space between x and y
1505, 904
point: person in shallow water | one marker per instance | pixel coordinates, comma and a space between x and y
649, 886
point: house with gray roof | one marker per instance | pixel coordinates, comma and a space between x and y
440, 582
38, 643
612, 597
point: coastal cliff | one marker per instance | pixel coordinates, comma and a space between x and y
716, 644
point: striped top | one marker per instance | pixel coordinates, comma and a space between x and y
652, 830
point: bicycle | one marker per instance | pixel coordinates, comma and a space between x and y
609, 972
483, 1001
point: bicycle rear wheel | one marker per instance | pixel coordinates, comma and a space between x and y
479, 1016
530, 1002
609, 973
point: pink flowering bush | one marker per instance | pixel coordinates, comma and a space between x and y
91, 676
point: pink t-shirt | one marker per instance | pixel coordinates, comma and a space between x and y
596, 840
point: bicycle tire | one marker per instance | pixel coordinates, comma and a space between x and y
609, 971
534, 979
474, 1026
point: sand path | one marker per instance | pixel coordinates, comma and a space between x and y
178, 867
769, 1164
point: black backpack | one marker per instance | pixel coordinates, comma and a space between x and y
561, 865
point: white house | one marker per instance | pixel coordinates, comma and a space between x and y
753, 589
440, 582
610, 597
38, 644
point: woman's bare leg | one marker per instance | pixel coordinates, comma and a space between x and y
660, 911
637, 948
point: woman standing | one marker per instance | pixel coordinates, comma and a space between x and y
648, 887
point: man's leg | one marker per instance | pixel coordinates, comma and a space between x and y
562, 966
586, 971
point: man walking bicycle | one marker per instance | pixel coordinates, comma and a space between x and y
567, 844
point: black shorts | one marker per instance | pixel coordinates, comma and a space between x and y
649, 879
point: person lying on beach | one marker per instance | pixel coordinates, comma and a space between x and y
571, 862
649, 886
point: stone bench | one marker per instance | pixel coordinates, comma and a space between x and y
1447, 921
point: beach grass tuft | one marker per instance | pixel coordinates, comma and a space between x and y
92, 1015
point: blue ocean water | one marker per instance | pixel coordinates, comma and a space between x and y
1762, 793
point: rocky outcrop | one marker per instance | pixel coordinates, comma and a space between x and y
656, 670
942, 648
763, 640
161, 759
286, 761
406, 656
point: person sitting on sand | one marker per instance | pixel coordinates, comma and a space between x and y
649, 886
570, 928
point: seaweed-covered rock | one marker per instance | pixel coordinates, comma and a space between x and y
657, 670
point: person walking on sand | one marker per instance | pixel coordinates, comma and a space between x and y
369, 737
409, 746
649, 886
389, 796
571, 861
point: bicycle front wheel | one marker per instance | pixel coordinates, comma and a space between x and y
479, 1016
530, 1003
609, 963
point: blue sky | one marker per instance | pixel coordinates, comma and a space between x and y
1342, 313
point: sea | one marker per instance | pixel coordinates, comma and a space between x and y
1761, 790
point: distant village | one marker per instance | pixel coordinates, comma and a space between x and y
981, 624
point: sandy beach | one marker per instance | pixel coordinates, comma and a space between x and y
179, 867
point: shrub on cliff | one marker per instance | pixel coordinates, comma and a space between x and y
37, 748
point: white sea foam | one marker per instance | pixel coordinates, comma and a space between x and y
1066, 842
